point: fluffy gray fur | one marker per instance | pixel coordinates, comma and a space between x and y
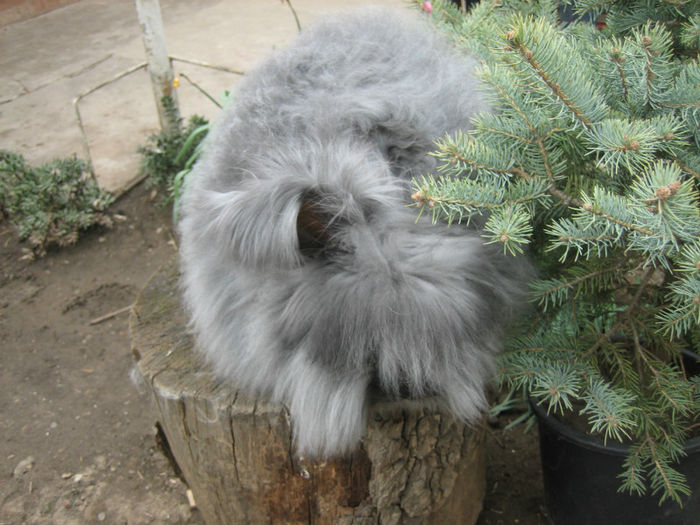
307, 277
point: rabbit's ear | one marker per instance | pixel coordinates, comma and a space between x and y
256, 223
316, 226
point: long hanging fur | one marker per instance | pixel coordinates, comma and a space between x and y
307, 277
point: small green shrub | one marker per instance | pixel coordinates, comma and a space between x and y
51, 203
166, 153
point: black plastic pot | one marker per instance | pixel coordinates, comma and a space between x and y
581, 481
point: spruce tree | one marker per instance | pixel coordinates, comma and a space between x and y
590, 162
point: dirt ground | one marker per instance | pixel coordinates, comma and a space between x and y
78, 441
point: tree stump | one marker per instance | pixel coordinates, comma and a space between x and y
413, 466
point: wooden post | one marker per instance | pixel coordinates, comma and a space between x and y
159, 66
413, 467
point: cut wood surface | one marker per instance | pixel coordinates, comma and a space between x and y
414, 466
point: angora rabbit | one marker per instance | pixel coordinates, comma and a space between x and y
307, 276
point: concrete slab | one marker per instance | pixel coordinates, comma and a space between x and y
45, 62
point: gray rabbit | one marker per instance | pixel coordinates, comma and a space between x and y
307, 276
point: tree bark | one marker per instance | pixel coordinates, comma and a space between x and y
415, 465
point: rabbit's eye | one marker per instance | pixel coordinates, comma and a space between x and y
312, 229
318, 228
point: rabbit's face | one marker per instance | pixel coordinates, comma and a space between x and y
359, 285
356, 282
